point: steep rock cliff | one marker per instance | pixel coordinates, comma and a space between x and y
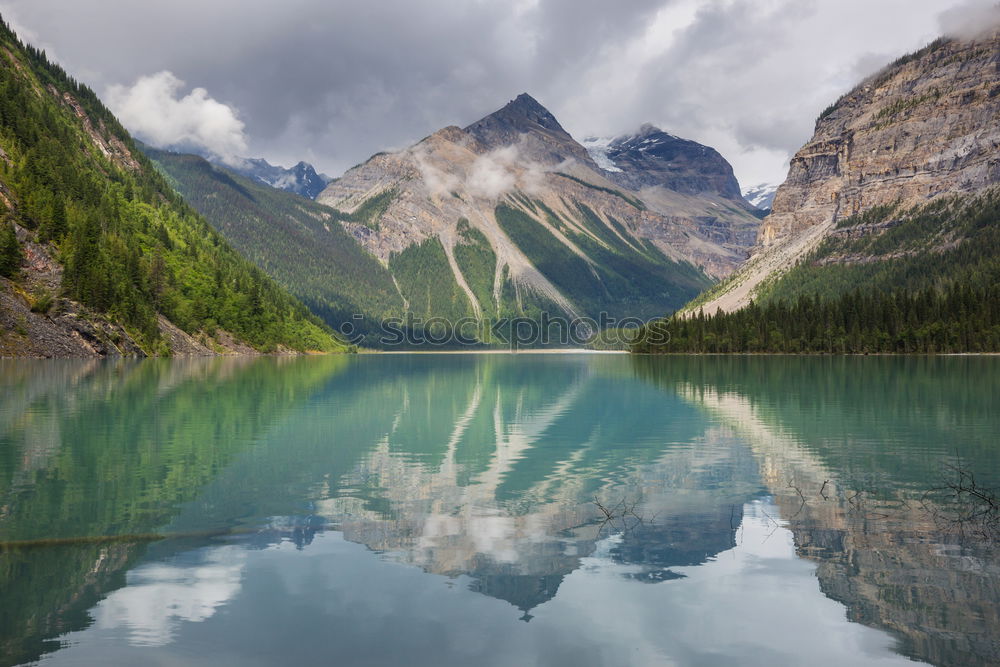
926, 126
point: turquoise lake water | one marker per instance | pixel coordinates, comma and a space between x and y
508, 509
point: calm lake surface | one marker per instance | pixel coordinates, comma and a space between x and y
563, 509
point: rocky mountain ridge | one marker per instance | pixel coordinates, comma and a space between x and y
925, 127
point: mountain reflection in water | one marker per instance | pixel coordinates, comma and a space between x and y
750, 478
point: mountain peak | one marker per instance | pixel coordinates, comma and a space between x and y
530, 108
653, 157
526, 102
525, 122
647, 129
522, 114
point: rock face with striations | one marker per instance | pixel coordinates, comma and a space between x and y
927, 125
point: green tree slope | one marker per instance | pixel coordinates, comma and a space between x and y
298, 242
130, 246
898, 281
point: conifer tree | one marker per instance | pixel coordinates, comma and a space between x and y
10, 250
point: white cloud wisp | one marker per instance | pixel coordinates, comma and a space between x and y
155, 111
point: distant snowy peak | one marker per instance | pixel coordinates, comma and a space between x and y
649, 137
302, 179
651, 157
597, 147
761, 196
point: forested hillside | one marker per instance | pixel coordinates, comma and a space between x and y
99, 246
297, 241
925, 279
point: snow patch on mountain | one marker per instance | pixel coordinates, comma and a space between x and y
761, 196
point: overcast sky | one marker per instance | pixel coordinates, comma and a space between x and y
333, 81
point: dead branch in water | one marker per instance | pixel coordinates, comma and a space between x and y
802, 497
964, 505
621, 515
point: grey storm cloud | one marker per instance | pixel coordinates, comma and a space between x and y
333, 81
970, 19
